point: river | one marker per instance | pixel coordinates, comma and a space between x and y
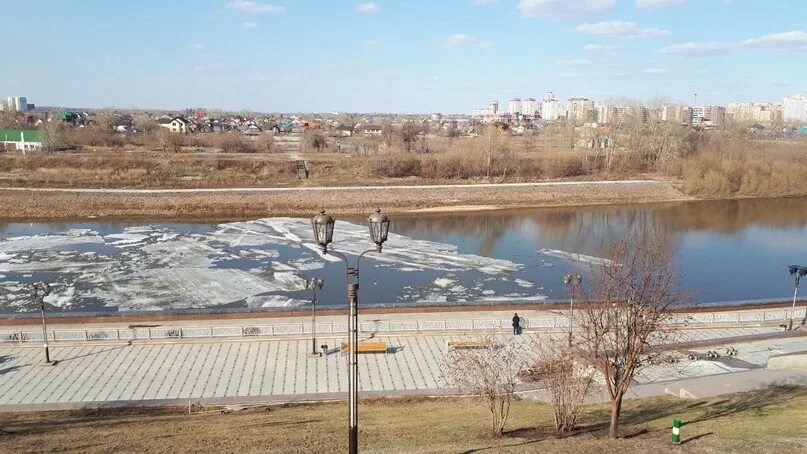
724, 251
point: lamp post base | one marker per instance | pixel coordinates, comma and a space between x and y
353, 438
49, 363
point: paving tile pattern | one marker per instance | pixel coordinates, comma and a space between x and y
188, 369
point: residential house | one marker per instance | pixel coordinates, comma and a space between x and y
20, 140
372, 130
344, 131
176, 124
250, 129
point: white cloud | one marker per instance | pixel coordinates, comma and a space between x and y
563, 8
251, 6
457, 39
621, 29
574, 62
620, 75
651, 4
483, 2
372, 44
604, 48
793, 40
249, 25
656, 71
568, 75
697, 49
368, 8
487, 44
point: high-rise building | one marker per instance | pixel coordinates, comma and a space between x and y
494, 107
602, 113
698, 114
18, 103
529, 106
794, 108
550, 109
674, 114
757, 112
577, 109
514, 106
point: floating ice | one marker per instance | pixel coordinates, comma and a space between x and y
523, 283
61, 297
43, 242
254, 263
125, 239
273, 301
575, 257
444, 282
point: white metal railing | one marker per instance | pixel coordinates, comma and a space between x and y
734, 318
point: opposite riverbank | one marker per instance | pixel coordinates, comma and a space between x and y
44, 204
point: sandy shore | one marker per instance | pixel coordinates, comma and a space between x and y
224, 204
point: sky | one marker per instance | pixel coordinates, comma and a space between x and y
414, 56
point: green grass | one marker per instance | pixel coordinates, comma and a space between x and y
765, 421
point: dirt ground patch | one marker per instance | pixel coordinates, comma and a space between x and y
763, 421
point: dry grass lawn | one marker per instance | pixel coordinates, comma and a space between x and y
765, 421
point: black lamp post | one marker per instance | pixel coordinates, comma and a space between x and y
797, 272
39, 291
314, 284
572, 281
323, 235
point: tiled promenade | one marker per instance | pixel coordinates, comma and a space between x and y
93, 373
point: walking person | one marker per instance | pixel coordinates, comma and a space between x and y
516, 324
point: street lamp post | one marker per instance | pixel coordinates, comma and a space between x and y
323, 235
571, 281
797, 272
314, 284
39, 291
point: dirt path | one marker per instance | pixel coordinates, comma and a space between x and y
605, 183
240, 203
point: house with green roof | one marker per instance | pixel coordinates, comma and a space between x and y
20, 140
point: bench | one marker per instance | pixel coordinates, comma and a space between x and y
366, 347
467, 344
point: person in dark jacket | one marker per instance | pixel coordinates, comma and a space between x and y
516, 323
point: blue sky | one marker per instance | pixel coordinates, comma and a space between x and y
398, 56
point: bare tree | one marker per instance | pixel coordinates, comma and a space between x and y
626, 312
53, 137
315, 140
9, 118
410, 134
567, 382
490, 372
144, 123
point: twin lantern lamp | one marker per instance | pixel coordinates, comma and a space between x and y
323, 229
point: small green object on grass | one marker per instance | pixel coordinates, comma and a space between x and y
676, 431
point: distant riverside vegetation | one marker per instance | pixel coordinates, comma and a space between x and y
732, 160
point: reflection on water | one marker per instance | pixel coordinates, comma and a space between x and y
726, 251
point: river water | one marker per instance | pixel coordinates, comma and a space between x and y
725, 251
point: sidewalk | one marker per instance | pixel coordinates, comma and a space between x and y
238, 370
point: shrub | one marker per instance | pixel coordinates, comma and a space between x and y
396, 167
564, 165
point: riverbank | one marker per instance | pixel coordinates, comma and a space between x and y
44, 204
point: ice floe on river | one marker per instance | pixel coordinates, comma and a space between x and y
575, 257
258, 263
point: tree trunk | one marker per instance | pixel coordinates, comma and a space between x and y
616, 408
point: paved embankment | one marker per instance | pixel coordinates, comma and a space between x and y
269, 359
236, 370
